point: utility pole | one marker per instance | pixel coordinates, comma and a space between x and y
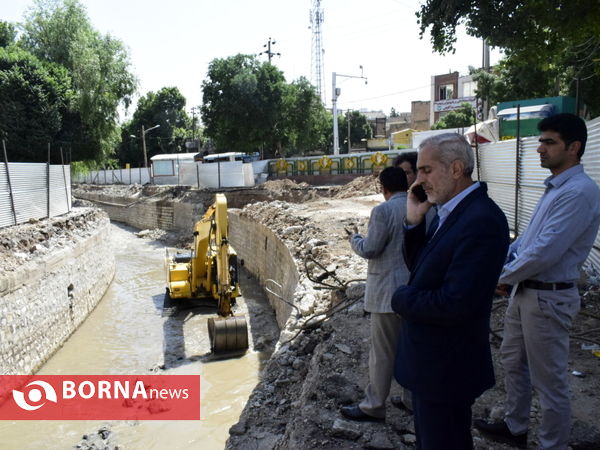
144, 142
349, 144
268, 51
194, 111
335, 93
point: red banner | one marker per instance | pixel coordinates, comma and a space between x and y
100, 397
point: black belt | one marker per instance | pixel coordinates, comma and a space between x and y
533, 284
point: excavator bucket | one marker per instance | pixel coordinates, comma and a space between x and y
228, 334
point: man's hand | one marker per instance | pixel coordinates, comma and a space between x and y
351, 232
415, 210
502, 290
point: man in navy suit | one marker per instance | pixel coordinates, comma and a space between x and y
443, 354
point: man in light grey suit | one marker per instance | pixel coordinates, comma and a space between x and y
382, 246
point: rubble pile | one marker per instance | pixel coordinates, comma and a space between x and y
367, 185
28, 241
289, 191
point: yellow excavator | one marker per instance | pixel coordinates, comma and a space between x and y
210, 272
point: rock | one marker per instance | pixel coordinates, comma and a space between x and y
261, 343
344, 348
497, 413
379, 440
281, 381
327, 356
104, 433
238, 429
344, 429
409, 438
297, 364
309, 347
292, 229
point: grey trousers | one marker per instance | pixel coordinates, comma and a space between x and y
385, 328
535, 352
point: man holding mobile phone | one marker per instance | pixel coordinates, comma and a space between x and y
382, 247
443, 354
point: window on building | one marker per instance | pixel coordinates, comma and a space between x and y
163, 168
469, 89
446, 91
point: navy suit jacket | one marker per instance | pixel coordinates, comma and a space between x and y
443, 352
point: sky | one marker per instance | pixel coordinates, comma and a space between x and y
172, 42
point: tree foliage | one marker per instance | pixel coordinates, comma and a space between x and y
359, 130
35, 97
461, 117
305, 121
8, 33
242, 104
548, 44
165, 108
59, 31
248, 106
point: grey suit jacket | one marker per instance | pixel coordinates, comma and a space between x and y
382, 246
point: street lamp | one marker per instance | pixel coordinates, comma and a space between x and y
335, 94
144, 142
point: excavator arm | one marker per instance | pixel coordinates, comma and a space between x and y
211, 272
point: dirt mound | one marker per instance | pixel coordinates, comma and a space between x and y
367, 185
283, 185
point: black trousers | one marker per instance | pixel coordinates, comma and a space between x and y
442, 426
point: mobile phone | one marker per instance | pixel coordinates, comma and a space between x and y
419, 193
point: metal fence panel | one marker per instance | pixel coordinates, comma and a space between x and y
29, 182
498, 169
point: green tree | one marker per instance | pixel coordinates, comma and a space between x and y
8, 33
35, 96
165, 108
305, 120
461, 117
359, 130
59, 31
549, 45
393, 113
242, 106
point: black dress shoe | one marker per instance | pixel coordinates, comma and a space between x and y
498, 431
396, 400
355, 413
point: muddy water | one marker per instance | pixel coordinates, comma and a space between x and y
129, 332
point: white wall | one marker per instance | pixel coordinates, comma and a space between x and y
215, 175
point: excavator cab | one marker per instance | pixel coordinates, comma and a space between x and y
210, 272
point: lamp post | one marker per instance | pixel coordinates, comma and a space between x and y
335, 94
144, 143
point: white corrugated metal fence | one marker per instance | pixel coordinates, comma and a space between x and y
38, 191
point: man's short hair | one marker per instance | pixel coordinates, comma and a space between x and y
393, 179
409, 157
570, 127
452, 147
